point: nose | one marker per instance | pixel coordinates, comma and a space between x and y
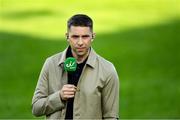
80, 41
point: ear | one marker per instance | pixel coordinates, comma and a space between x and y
67, 36
93, 36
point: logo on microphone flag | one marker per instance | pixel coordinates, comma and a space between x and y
70, 64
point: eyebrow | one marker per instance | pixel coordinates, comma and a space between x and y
80, 35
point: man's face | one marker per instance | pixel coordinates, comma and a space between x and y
80, 39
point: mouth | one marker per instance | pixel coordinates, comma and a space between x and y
80, 48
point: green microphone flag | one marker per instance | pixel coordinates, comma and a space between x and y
70, 64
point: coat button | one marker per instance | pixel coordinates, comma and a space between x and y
63, 112
78, 89
77, 114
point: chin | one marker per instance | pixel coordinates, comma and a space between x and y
81, 54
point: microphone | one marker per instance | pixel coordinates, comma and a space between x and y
70, 64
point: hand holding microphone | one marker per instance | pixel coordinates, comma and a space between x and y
68, 90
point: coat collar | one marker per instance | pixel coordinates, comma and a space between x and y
90, 61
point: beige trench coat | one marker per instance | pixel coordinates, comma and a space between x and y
97, 95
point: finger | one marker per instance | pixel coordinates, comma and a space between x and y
69, 96
69, 89
69, 86
69, 93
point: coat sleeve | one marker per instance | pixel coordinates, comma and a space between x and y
42, 102
110, 96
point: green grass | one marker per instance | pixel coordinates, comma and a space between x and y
21, 60
147, 60
47, 18
140, 37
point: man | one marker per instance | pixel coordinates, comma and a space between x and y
90, 92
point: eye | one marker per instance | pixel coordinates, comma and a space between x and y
85, 36
74, 36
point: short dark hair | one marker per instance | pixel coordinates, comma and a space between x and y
80, 20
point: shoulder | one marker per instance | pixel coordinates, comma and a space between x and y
54, 59
104, 62
106, 65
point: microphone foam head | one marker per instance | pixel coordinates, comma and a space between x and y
70, 64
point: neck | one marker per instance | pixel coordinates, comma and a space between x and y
80, 59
